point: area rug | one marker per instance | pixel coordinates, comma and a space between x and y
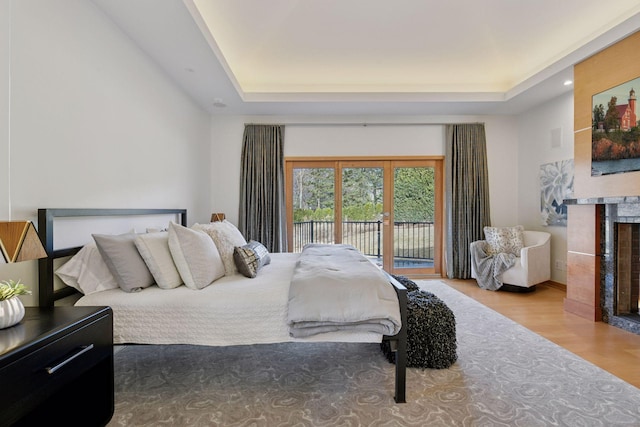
505, 375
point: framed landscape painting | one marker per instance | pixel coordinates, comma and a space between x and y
615, 138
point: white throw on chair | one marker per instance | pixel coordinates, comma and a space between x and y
530, 256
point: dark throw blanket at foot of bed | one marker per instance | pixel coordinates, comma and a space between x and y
431, 330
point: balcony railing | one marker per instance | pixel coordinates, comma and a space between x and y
412, 240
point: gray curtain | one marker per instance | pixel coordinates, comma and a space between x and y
467, 194
262, 203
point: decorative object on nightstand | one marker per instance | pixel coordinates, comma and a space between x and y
19, 241
217, 217
11, 307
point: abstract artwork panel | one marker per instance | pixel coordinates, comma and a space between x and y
556, 184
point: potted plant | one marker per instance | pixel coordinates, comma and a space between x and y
11, 307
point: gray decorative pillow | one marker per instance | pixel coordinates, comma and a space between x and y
124, 261
250, 258
508, 240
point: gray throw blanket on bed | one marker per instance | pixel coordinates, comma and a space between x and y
489, 267
334, 288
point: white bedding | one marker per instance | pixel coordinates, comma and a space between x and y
234, 310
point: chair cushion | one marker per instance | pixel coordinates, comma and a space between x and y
504, 240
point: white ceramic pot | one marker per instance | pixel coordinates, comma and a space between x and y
11, 312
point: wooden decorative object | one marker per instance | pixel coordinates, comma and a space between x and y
19, 241
217, 217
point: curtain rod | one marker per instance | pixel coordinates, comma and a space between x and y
363, 124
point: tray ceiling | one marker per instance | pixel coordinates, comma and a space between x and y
372, 56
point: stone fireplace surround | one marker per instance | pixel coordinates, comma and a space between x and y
625, 210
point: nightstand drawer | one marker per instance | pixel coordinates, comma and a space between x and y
67, 355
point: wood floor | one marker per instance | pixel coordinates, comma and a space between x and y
613, 349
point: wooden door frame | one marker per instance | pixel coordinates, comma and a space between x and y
337, 163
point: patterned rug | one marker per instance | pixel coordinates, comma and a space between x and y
505, 375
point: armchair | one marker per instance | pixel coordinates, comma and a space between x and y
532, 266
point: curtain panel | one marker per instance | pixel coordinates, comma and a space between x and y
262, 202
467, 194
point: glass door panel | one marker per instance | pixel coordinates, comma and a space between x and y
414, 208
362, 209
313, 206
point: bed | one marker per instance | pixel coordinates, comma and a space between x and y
236, 309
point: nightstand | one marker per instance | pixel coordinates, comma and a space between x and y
56, 368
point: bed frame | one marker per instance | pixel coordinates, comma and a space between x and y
48, 295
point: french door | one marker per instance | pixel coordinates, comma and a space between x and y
390, 209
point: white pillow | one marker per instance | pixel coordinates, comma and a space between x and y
154, 249
195, 255
226, 236
87, 272
124, 261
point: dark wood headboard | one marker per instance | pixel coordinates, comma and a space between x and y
46, 217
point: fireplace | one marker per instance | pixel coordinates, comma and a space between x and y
620, 266
627, 276
617, 269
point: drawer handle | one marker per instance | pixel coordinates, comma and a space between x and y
82, 350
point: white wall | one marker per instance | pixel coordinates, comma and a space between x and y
5, 100
502, 150
93, 121
535, 149
359, 140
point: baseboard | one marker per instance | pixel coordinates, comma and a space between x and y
555, 285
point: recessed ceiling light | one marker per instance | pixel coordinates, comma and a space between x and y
568, 82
